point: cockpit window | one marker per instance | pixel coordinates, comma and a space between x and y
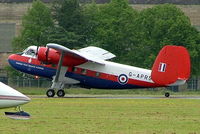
30, 52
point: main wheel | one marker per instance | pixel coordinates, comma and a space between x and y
50, 93
167, 94
61, 93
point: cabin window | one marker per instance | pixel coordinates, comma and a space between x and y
83, 71
74, 69
53, 65
97, 74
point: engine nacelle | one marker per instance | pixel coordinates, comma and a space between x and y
52, 56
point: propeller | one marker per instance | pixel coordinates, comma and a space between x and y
47, 54
37, 50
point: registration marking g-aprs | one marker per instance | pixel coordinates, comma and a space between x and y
122, 79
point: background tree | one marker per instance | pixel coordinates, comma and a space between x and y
34, 24
111, 26
69, 20
60, 36
162, 25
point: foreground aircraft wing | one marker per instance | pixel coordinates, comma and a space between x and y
76, 53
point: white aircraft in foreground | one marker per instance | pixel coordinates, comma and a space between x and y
90, 67
10, 97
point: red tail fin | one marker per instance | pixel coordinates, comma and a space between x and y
171, 64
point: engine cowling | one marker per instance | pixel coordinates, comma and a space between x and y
52, 56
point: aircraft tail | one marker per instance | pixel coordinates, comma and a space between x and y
172, 66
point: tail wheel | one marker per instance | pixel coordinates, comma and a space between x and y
50, 93
167, 94
61, 93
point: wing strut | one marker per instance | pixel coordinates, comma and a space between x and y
57, 83
59, 66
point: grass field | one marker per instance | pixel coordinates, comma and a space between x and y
106, 116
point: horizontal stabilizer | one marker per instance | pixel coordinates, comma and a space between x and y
172, 64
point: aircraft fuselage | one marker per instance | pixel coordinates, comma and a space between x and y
109, 76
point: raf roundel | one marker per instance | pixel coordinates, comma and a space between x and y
122, 79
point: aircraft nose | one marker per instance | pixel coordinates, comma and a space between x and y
10, 97
11, 58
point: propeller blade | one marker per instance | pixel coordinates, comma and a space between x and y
47, 53
37, 50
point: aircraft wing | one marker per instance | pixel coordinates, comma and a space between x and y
97, 52
75, 53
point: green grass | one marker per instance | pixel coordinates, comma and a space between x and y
106, 116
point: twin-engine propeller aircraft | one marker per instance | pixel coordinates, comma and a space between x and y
90, 67
10, 97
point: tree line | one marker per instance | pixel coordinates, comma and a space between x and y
134, 36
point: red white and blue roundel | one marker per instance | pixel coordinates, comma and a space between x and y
122, 79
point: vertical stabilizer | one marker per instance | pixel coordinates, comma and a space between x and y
172, 64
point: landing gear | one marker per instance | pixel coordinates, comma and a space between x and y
50, 93
60, 93
58, 79
19, 115
167, 94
